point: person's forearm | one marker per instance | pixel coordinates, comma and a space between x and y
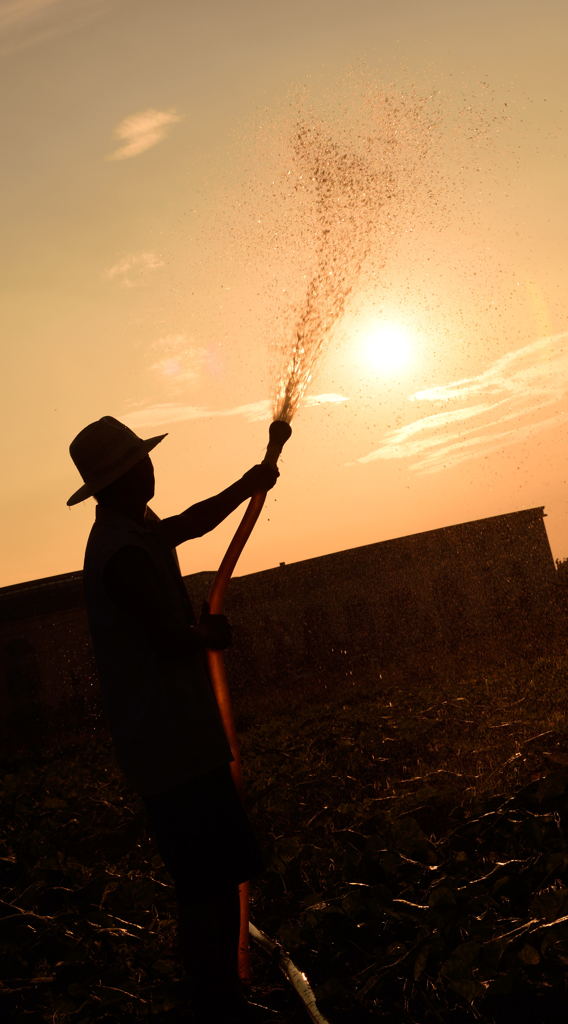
204, 515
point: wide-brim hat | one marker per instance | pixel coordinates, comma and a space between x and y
103, 452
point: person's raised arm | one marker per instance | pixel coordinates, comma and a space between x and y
206, 515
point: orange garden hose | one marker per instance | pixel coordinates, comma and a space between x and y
278, 435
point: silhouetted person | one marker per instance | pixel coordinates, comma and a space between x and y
167, 731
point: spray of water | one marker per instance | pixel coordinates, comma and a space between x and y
342, 183
358, 186
361, 202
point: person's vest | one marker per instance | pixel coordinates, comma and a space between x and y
162, 711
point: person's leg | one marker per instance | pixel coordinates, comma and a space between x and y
207, 845
208, 937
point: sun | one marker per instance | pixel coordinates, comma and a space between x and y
387, 347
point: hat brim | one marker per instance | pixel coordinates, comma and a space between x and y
90, 489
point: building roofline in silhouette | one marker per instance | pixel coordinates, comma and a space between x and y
65, 590
535, 513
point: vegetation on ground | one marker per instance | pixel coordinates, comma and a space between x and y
416, 841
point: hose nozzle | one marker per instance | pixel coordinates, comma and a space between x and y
278, 433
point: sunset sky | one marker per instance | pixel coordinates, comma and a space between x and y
160, 234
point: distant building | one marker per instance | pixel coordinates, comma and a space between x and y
446, 600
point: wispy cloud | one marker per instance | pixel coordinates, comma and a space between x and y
326, 398
179, 360
133, 271
141, 131
176, 412
18, 12
516, 397
25, 23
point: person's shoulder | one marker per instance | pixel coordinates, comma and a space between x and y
109, 538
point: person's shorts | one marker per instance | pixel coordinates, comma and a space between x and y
203, 833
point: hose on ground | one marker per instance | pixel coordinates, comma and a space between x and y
296, 977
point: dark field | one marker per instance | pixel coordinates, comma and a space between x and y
416, 841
